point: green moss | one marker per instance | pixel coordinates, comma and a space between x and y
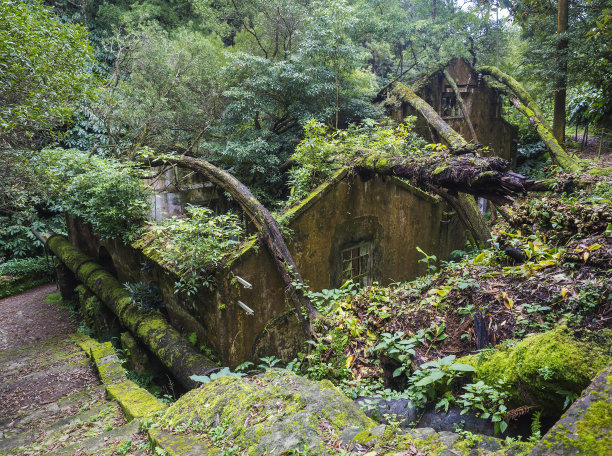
265, 413
539, 367
136, 402
439, 170
594, 430
365, 438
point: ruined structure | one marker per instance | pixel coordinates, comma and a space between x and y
348, 228
482, 102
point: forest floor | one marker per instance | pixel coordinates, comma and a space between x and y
592, 150
27, 318
51, 399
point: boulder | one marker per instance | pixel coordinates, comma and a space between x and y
586, 427
542, 369
275, 412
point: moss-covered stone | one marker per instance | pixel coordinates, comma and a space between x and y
586, 428
135, 401
541, 369
276, 412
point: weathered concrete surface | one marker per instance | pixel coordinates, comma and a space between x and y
586, 427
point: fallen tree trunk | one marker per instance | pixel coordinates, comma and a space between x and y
178, 355
456, 142
528, 107
468, 213
486, 177
266, 225
464, 110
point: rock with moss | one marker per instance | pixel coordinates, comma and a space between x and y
543, 369
586, 427
269, 414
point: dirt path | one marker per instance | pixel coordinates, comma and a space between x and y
26, 318
51, 398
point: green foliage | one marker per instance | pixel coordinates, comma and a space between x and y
268, 362
101, 191
44, 72
225, 372
27, 266
322, 151
486, 401
146, 295
397, 347
588, 105
194, 246
24, 205
168, 89
434, 377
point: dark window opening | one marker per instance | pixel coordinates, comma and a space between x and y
357, 264
105, 259
450, 107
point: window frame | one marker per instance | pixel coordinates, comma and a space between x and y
363, 276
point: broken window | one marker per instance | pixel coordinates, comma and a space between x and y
357, 264
450, 107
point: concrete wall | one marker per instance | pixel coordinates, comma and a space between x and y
395, 217
482, 102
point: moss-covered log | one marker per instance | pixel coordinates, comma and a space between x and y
487, 177
457, 143
515, 87
464, 110
472, 219
266, 225
528, 107
178, 355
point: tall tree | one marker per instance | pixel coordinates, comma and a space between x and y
561, 82
44, 73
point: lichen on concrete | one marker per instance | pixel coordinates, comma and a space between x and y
135, 401
586, 427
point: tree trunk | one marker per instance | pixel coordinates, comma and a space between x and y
454, 139
266, 225
178, 355
558, 154
527, 106
516, 88
561, 82
466, 114
487, 177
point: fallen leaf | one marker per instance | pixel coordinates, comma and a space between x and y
564, 292
349, 361
508, 302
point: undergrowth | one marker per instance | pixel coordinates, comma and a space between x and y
193, 247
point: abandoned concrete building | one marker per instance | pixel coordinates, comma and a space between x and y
483, 103
348, 228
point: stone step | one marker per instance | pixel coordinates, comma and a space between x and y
125, 437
